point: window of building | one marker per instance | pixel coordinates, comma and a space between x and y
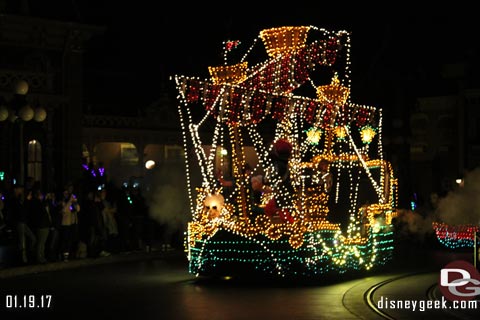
445, 125
419, 123
85, 152
34, 160
418, 148
444, 148
173, 153
128, 153
446, 122
475, 130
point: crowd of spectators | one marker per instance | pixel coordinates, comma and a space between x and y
80, 220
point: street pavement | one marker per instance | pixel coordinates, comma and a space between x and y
154, 253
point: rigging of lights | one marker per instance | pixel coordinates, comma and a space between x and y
239, 98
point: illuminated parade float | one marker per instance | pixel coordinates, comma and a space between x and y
456, 236
286, 176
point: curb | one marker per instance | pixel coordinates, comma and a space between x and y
61, 265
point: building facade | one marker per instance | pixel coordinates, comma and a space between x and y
134, 147
47, 56
445, 132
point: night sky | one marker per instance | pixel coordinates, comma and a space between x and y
146, 42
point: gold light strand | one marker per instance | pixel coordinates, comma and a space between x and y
231, 74
250, 49
369, 174
283, 39
183, 103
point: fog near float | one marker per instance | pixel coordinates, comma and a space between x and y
167, 197
460, 206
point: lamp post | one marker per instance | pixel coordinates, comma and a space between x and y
18, 111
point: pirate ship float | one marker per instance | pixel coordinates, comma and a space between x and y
330, 195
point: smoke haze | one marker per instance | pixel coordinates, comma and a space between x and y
168, 199
460, 206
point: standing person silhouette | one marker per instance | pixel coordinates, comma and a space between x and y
41, 222
19, 215
69, 228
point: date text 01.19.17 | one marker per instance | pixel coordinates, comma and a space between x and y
28, 301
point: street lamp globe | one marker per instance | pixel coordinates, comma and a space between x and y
3, 113
26, 113
21, 87
40, 114
150, 164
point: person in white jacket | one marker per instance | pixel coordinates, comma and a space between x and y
69, 228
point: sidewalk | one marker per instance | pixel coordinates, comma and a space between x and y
116, 257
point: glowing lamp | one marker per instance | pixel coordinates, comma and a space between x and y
340, 132
367, 133
40, 114
21, 87
150, 164
314, 135
26, 113
3, 113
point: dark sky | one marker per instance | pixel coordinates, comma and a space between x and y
147, 41
181, 40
